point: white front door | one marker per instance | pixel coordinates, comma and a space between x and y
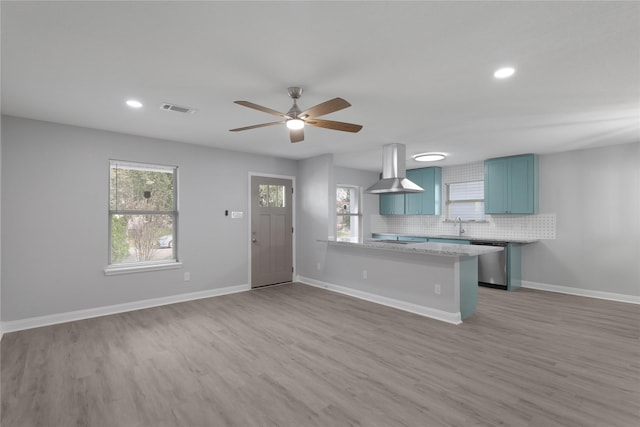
271, 231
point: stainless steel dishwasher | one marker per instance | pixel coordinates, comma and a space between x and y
492, 268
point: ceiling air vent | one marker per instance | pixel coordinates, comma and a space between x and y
177, 108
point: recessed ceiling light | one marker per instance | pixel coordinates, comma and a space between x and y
504, 73
428, 157
134, 104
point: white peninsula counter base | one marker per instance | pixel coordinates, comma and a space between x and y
437, 280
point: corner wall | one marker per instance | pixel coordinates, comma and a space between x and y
595, 195
55, 212
315, 180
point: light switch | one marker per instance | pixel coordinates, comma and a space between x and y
236, 214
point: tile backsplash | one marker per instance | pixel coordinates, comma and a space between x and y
541, 226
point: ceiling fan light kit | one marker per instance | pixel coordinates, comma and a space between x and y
296, 119
295, 124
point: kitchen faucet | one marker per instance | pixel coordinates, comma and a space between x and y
460, 229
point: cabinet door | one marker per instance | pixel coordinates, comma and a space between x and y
384, 236
521, 190
496, 172
428, 202
413, 239
391, 204
454, 241
413, 202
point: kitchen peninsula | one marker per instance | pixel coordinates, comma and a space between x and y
437, 280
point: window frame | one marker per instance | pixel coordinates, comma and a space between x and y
132, 267
449, 202
358, 215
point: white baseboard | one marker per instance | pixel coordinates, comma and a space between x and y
36, 322
582, 292
454, 318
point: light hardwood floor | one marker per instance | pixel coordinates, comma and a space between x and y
293, 355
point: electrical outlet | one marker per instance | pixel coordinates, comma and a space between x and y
364, 274
437, 289
187, 276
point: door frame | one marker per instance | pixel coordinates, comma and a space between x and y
294, 275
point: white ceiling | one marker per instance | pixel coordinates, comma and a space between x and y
418, 73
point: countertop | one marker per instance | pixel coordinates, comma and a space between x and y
463, 237
441, 249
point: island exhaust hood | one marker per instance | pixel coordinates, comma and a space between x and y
394, 173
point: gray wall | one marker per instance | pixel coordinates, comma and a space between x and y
0, 230
54, 217
314, 182
595, 195
316, 216
55, 204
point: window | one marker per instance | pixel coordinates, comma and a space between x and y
348, 213
271, 196
465, 200
143, 214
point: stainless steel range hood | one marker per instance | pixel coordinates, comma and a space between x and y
394, 173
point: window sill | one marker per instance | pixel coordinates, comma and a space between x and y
112, 271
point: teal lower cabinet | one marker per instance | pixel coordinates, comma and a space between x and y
454, 241
514, 266
468, 273
413, 239
384, 236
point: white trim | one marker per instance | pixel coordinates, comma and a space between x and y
631, 299
293, 218
138, 268
444, 316
36, 322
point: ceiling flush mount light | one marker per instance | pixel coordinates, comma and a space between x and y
504, 73
295, 124
428, 157
133, 103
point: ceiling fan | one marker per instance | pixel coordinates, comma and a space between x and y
296, 119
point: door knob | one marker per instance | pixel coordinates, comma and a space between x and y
254, 240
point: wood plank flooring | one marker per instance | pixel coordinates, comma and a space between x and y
293, 355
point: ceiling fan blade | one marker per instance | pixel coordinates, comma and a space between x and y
261, 108
327, 107
257, 126
296, 135
330, 124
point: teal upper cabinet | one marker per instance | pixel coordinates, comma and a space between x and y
430, 201
511, 185
392, 204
